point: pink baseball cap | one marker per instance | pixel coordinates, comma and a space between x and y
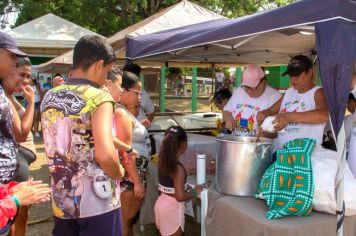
252, 76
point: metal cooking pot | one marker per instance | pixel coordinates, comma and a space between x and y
240, 164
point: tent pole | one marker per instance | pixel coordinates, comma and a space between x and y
213, 77
162, 93
194, 90
237, 80
340, 174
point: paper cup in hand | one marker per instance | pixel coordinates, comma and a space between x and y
268, 125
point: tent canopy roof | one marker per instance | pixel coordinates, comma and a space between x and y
180, 14
266, 38
48, 31
325, 28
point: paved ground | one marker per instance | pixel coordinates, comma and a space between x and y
39, 170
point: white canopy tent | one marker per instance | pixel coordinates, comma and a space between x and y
181, 14
48, 35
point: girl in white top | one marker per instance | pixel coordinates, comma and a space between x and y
302, 111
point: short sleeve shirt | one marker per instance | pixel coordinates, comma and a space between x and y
244, 109
80, 188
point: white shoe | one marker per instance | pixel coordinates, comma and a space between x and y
37, 135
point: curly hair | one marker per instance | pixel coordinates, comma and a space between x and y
168, 159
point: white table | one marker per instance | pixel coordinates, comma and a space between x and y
242, 216
197, 144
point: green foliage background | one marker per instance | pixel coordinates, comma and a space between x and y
107, 17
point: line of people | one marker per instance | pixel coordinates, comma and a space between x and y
17, 190
98, 151
82, 125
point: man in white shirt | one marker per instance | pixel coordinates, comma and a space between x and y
252, 96
147, 108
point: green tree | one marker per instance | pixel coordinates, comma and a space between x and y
105, 17
109, 16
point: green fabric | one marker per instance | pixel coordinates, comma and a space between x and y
287, 185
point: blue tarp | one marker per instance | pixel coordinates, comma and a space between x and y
336, 47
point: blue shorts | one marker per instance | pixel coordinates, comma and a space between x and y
108, 224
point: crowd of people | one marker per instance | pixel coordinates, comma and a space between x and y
17, 190
95, 137
94, 128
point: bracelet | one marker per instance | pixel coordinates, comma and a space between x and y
129, 151
16, 200
194, 192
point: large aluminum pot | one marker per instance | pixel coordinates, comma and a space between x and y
240, 164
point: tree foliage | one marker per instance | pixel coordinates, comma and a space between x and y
109, 16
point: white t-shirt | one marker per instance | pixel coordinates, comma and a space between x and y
349, 123
296, 102
146, 106
245, 108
